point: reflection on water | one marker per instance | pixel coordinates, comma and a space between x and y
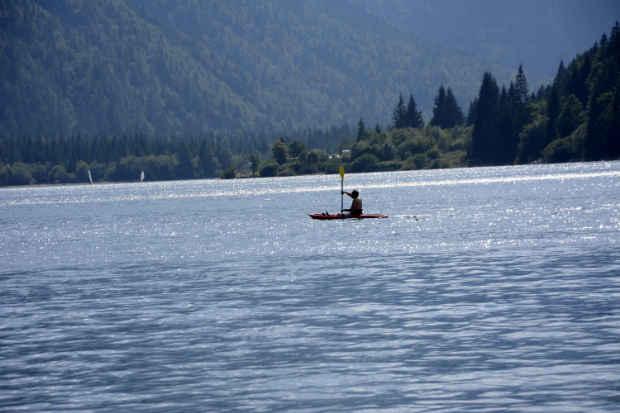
486, 289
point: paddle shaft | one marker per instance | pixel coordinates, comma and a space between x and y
341, 189
341, 196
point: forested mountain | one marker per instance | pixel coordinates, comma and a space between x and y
537, 34
576, 117
163, 67
200, 89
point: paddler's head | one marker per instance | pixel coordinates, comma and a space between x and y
355, 194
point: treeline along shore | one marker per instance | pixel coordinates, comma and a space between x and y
575, 118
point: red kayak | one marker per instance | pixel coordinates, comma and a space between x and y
339, 216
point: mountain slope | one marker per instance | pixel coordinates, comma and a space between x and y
537, 34
178, 67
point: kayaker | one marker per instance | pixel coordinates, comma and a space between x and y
356, 204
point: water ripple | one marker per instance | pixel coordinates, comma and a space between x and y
490, 289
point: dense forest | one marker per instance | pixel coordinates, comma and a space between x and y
575, 117
164, 67
60, 159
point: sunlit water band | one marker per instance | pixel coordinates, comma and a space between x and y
243, 187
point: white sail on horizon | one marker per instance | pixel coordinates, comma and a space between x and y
90, 178
142, 176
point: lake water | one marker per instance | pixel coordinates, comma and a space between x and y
487, 289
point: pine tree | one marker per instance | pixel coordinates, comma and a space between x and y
446, 112
399, 114
361, 130
553, 112
455, 113
560, 78
185, 167
612, 136
484, 141
439, 109
575, 81
208, 162
507, 138
519, 101
571, 116
471, 113
413, 116
521, 88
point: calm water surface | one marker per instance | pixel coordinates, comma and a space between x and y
487, 289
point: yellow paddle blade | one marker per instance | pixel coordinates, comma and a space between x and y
342, 173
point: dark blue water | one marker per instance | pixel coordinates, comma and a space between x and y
488, 289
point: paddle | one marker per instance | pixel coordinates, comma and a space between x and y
341, 189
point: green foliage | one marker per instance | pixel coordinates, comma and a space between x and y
207, 161
229, 173
280, 152
255, 159
460, 139
453, 159
434, 164
386, 152
224, 157
296, 147
81, 172
185, 167
414, 162
566, 149
268, 169
4, 174
399, 136
19, 174
365, 163
531, 141
603, 134
433, 153
286, 172
59, 175
332, 166
571, 116
560, 150
415, 145
389, 166
163, 67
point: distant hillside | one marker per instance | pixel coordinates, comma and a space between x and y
177, 67
575, 118
537, 34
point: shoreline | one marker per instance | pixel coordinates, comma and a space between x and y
287, 176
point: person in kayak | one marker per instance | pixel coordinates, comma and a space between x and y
356, 204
